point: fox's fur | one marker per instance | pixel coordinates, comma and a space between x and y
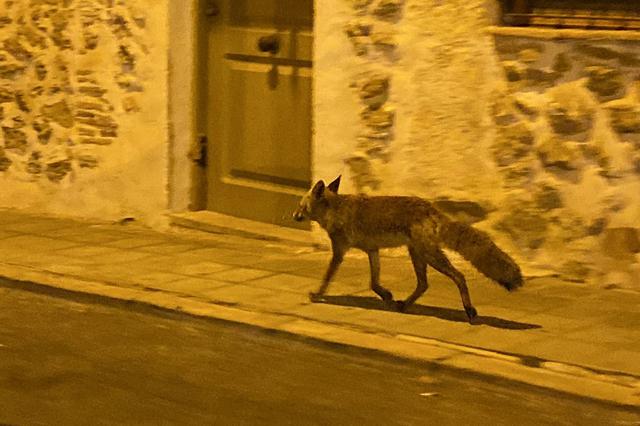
371, 223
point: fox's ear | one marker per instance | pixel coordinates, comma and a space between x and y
333, 186
318, 190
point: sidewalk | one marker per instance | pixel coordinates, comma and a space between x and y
550, 333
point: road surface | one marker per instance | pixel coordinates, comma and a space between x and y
68, 359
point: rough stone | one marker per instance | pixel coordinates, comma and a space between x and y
561, 63
11, 71
375, 92
41, 71
384, 39
607, 83
101, 121
513, 143
554, 152
380, 118
360, 4
597, 226
5, 163
94, 91
389, 10
621, 242
624, 116
17, 50
547, 198
362, 172
506, 45
513, 70
565, 122
464, 211
529, 55
525, 225
4, 21
540, 76
526, 104
6, 95
130, 104
58, 170
597, 52
96, 141
59, 112
503, 113
129, 83
43, 129
21, 102
14, 139
34, 165
87, 161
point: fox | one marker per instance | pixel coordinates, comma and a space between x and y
370, 223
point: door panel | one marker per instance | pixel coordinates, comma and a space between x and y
259, 108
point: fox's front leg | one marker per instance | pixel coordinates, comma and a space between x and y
336, 260
374, 265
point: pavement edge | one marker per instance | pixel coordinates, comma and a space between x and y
610, 387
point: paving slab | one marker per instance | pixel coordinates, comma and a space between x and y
570, 329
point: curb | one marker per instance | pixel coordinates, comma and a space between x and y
612, 387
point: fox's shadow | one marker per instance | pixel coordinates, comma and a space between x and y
447, 314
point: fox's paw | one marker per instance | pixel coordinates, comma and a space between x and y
316, 297
471, 312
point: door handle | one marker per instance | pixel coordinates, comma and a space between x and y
269, 44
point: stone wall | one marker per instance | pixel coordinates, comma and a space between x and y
568, 149
534, 139
83, 106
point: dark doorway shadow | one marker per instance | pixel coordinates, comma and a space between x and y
447, 314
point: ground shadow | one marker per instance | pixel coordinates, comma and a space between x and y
447, 314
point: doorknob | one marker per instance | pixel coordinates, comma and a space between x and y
269, 43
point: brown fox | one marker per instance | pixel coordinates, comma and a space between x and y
371, 223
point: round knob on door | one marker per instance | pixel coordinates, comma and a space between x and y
269, 44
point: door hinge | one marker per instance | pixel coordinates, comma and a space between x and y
198, 152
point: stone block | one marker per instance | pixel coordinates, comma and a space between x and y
561, 63
621, 242
6, 95
389, 10
554, 152
379, 119
565, 122
513, 70
547, 197
624, 116
15, 139
56, 171
11, 71
375, 91
525, 225
606, 82
506, 45
462, 210
58, 112
5, 162
529, 55
541, 77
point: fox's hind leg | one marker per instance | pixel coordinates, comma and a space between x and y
420, 268
374, 265
336, 260
440, 262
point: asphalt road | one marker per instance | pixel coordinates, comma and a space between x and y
78, 360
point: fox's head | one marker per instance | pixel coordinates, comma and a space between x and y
314, 203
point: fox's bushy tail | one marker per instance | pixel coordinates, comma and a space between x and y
476, 246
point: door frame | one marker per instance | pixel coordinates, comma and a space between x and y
187, 92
